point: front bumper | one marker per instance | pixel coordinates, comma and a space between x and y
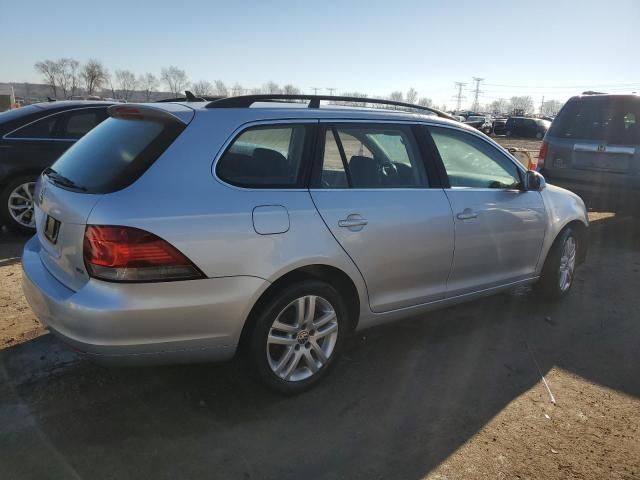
142, 323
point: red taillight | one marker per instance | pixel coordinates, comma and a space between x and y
128, 254
542, 155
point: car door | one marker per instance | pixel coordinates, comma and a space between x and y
499, 227
371, 188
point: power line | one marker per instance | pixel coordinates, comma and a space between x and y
476, 95
611, 85
331, 90
459, 96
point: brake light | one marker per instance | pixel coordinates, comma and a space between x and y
127, 254
542, 155
132, 113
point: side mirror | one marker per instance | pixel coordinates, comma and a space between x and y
535, 181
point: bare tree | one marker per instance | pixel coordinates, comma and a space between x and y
65, 75
126, 82
236, 89
49, 71
175, 79
425, 102
522, 105
271, 87
355, 95
500, 105
221, 89
412, 95
74, 74
551, 107
202, 88
289, 89
396, 96
95, 75
148, 83
255, 91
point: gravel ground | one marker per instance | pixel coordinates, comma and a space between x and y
456, 394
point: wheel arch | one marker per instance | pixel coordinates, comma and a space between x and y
334, 276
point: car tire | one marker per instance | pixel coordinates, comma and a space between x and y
12, 204
559, 267
291, 351
539, 135
508, 133
486, 131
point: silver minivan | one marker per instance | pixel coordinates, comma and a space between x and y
593, 145
190, 231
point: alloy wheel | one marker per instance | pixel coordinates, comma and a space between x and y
302, 338
567, 263
20, 205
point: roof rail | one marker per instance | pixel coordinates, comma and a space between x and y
245, 101
190, 97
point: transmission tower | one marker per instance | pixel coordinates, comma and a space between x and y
331, 90
315, 90
459, 96
476, 94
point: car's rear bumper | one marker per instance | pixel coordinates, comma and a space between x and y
142, 323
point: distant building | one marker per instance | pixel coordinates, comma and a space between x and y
7, 98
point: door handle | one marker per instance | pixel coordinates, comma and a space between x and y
353, 222
467, 214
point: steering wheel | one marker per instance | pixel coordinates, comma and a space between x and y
388, 170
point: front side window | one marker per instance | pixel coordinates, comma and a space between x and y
371, 156
264, 157
473, 163
76, 124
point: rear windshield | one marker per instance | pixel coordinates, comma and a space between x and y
115, 153
607, 119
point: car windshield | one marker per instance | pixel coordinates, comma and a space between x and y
602, 118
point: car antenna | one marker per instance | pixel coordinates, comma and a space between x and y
192, 98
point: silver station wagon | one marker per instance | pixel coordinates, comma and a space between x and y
274, 225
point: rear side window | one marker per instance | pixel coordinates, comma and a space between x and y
371, 156
605, 119
115, 153
40, 129
265, 157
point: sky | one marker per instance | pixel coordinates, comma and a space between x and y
540, 48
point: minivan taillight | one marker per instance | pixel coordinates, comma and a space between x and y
127, 254
542, 155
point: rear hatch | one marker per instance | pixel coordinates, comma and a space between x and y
596, 139
109, 158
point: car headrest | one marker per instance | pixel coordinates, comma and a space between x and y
270, 162
364, 172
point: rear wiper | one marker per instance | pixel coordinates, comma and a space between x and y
62, 180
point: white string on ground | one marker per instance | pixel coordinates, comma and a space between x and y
544, 380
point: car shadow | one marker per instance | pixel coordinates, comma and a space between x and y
403, 398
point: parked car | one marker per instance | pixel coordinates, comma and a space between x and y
481, 122
189, 232
499, 126
593, 145
31, 139
526, 127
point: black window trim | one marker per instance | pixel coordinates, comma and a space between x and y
308, 153
332, 124
444, 177
7, 136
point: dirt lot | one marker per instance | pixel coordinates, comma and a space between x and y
456, 394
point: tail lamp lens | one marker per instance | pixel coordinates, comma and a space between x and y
127, 254
542, 155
